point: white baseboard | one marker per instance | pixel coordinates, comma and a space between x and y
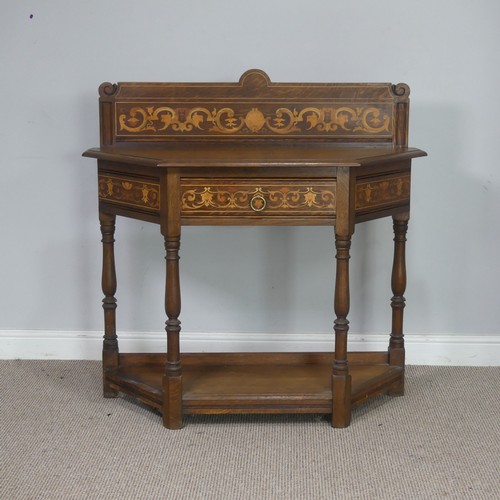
451, 350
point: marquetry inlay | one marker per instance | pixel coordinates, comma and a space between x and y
135, 192
371, 193
248, 119
249, 197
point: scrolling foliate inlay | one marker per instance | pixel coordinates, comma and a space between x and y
129, 192
343, 120
381, 192
238, 198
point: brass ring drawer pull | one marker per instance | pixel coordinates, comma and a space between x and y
258, 203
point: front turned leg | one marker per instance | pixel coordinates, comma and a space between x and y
398, 284
341, 379
110, 355
172, 378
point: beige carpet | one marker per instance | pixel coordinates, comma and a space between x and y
60, 440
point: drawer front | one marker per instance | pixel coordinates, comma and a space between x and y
257, 197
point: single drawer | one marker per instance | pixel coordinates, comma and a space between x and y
257, 197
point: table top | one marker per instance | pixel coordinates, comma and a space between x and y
297, 154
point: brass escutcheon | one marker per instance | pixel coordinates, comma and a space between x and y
258, 203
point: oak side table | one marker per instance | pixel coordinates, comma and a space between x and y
254, 153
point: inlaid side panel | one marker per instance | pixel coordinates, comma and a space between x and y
133, 192
382, 191
237, 197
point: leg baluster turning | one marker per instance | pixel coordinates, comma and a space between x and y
110, 356
398, 283
341, 380
172, 379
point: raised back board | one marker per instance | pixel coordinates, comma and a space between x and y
254, 109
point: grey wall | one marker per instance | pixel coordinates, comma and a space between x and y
50, 68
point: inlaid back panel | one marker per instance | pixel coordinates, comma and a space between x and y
254, 108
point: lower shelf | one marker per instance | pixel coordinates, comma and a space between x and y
254, 382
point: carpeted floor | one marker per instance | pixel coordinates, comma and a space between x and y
59, 439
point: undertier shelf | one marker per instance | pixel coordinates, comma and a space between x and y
254, 382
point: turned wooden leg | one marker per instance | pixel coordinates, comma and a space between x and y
341, 380
110, 356
172, 378
398, 283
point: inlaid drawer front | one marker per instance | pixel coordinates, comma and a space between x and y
139, 193
233, 197
382, 191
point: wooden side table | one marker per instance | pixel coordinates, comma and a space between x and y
254, 153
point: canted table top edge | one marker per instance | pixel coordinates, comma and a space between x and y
253, 155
